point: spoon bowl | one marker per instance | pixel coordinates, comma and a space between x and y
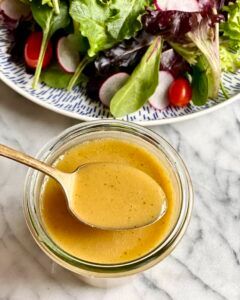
114, 196
104, 195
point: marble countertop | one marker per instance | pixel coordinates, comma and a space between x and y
206, 263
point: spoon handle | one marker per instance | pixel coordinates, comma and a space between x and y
31, 162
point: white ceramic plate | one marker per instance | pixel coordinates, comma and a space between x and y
77, 105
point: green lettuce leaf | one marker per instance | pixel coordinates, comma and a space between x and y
206, 40
51, 3
48, 2
126, 21
104, 23
230, 61
188, 51
93, 16
140, 85
201, 81
56, 78
231, 27
78, 42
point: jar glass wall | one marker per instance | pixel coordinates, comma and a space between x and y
116, 130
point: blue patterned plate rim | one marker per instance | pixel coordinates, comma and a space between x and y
144, 123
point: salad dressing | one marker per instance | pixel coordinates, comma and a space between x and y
116, 196
104, 246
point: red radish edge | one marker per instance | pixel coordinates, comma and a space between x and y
110, 86
68, 58
159, 100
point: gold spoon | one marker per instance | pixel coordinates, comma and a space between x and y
108, 196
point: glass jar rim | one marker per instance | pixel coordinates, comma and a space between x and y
121, 269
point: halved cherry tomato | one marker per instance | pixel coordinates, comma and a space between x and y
32, 50
180, 92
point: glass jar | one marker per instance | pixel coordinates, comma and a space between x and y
105, 274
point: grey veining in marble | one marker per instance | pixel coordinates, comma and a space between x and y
204, 266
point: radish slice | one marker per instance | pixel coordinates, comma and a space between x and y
111, 86
179, 5
159, 100
14, 9
68, 57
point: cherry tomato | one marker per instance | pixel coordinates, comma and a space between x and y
180, 92
32, 50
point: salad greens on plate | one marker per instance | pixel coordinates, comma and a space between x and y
128, 52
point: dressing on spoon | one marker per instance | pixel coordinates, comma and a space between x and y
105, 195
111, 195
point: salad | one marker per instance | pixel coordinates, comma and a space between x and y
127, 52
